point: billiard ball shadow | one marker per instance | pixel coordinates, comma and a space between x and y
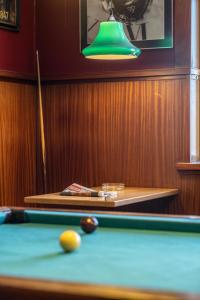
45, 256
82, 234
52, 255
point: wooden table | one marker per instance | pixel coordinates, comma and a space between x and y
129, 195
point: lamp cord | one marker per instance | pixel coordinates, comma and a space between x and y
111, 18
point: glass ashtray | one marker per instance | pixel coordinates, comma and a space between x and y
108, 187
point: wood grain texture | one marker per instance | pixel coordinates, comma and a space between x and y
132, 131
17, 142
194, 166
127, 196
23, 289
189, 200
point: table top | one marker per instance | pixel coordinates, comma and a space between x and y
127, 255
129, 195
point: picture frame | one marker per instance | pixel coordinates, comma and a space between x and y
147, 23
9, 14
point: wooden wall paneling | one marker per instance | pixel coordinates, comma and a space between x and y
189, 202
17, 142
171, 128
129, 131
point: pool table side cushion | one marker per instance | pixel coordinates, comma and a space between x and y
12, 216
184, 224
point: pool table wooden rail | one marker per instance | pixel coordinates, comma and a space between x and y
30, 289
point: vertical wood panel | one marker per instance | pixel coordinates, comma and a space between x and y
17, 142
130, 131
189, 200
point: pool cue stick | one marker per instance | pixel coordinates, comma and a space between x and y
41, 120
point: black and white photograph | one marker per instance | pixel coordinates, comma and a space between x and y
9, 14
147, 23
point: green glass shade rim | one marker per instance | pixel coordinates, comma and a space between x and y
92, 50
111, 40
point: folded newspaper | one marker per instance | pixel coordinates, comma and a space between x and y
79, 190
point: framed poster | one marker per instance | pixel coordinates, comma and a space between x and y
147, 23
9, 14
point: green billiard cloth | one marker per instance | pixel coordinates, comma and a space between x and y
140, 252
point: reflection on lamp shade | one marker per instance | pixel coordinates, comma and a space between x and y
111, 43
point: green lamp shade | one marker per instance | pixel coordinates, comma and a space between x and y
111, 43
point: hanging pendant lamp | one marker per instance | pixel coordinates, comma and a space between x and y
111, 43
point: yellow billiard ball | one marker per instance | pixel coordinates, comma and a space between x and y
70, 240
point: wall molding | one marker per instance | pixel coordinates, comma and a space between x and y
145, 74
16, 76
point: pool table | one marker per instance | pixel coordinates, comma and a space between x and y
129, 256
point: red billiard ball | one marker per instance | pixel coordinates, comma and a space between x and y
89, 224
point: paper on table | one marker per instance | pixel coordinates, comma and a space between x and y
78, 190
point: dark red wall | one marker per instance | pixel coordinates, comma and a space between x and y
59, 44
17, 49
